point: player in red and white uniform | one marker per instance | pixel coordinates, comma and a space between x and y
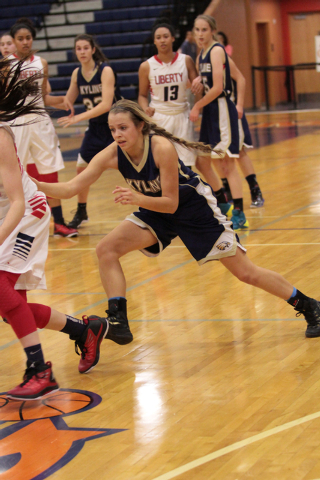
24, 230
37, 143
166, 77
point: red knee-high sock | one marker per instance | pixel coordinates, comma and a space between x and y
14, 307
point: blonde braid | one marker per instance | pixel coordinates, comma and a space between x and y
138, 115
202, 147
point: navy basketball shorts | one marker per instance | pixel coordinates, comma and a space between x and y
96, 138
244, 133
198, 221
219, 127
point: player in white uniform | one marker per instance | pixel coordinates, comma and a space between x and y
166, 77
24, 230
38, 142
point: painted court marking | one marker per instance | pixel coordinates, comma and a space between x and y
236, 446
183, 246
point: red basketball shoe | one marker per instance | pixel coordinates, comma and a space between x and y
38, 381
90, 341
62, 230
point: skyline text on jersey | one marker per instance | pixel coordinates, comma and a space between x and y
87, 89
145, 186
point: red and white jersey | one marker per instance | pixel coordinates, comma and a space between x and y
30, 67
168, 84
29, 187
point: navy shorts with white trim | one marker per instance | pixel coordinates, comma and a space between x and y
205, 231
96, 138
219, 126
245, 135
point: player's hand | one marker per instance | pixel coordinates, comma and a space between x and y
68, 105
125, 196
150, 111
67, 121
37, 183
197, 86
240, 111
194, 114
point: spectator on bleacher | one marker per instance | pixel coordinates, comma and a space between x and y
189, 46
223, 39
7, 45
166, 76
38, 141
95, 82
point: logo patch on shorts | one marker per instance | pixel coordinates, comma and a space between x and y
22, 246
223, 245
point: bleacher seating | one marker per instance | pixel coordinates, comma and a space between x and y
120, 27
128, 13
35, 9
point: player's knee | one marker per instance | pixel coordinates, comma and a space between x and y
247, 276
106, 250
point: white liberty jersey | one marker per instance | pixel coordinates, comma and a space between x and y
30, 67
168, 85
29, 187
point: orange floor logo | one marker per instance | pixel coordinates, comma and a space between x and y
39, 442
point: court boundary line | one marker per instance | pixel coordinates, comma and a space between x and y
273, 112
236, 446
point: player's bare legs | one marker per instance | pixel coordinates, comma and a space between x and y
245, 270
226, 168
125, 238
83, 195
203, 164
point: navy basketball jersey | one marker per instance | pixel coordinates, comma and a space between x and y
91, 92
205, 69
145, 177
234, 93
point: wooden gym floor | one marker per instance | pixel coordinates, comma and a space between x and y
220, 382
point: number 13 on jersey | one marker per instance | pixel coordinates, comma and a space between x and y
171, 93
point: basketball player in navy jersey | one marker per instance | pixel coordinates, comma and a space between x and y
173, 201
245, 163
95, 82
219, 124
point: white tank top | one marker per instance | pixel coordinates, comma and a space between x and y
168, 85
29, 188
31, 67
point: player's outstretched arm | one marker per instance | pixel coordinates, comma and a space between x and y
105, 159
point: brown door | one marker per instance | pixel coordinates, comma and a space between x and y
303, 29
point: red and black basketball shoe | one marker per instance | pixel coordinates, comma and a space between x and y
38, 381
90, 341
